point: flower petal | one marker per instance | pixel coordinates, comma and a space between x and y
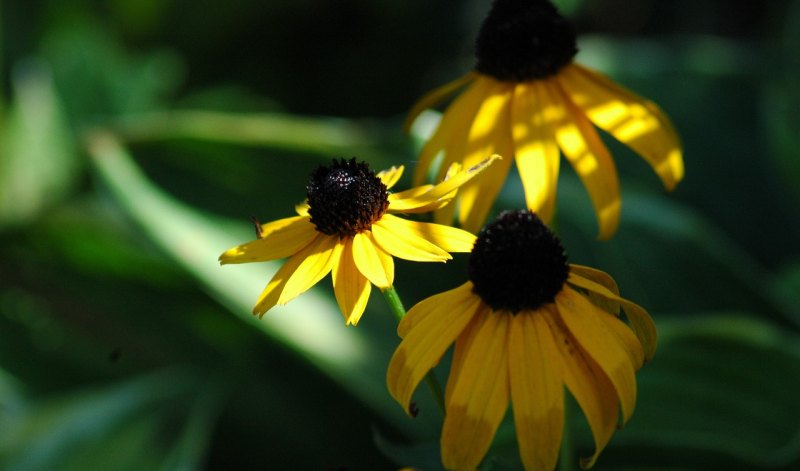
589, 157
372, 261
605, 280
637, 122
537, 154
396, 239
479, 399
269, 297
349, 285
587, 382
451, 133
640, 321
463, 345
582, 319
301, 209
390, 176
324, 252
490, 134
428, 330
434, 97
537, 391
411, 199
279, 239
450, 239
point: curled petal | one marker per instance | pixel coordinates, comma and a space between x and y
372, 261
390, 176
448, 238
395, 238
350, 286
324, 252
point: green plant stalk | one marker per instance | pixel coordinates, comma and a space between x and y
396, 306
566, 456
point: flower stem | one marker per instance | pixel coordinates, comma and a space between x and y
396, 306
566, 457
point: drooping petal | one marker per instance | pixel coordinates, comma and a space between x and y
318, 263
480, 397
405, 201
490, 134
637, 122
590, 158
537, 155
435, 97
396, 239
640, 321
602, 278
451, 134
448, 238
390, 176
269, 297
372, 261
350, 286
582, 319
590, 387
537, 391
429, 306
429, 328
463, 345
279, 239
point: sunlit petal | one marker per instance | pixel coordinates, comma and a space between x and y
301, 209
398, 241
582, 146
372, 261
279, 239
324, 252
537, 391
637, 122
434, 97
590, 387
480, 397
537, 155
349, 285
448, 238
640, 321
582, 319
436, 321
390, 176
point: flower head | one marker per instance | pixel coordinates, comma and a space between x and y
347, 227
528, 99
525, 325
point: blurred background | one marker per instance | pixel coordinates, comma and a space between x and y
137, 138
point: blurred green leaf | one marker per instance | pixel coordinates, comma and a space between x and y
38, 163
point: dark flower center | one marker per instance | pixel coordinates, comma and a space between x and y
524, 40
517, 263
345, 198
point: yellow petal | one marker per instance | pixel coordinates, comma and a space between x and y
586, 381
452, 130
390, 176
490, 134
640, 321
537, 391
637, 122
435, 97
301, 209
411, 199
406, 245
432, 326
602, 278
448, 238
324, 252
479, 399
269, 297
279, 239
537, 154
463, 345
582, 318
429, 306
350, 286
589, 157
372, 261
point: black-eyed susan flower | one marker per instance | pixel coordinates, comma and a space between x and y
526, 325
526, 98
346, 227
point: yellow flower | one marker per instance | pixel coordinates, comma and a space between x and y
527, 99
525, 325
346, 227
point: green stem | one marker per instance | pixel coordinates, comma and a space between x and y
396, 306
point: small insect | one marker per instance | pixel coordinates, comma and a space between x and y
259, 232
413, 409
